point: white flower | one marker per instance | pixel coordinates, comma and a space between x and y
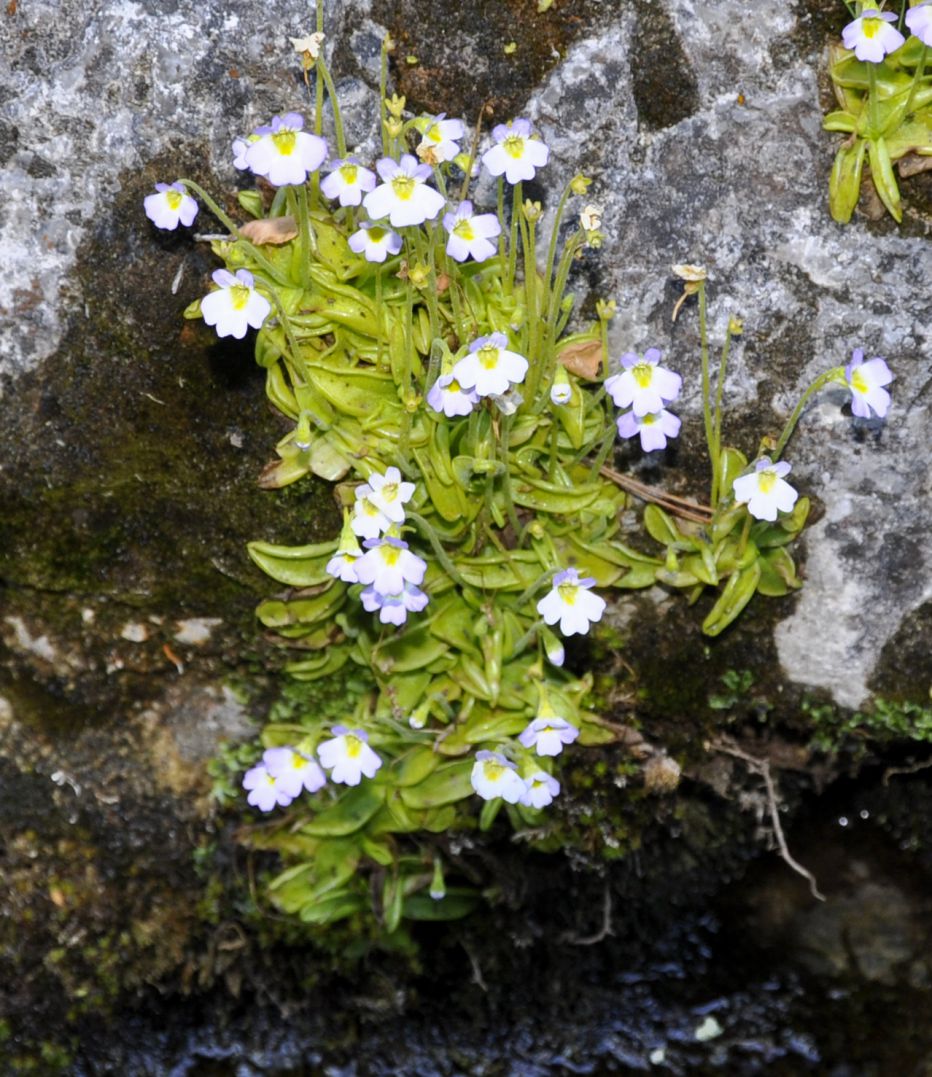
388, 493
388, 565
654, 428
571, 603
471, 234
764, 491
515, 154
919, 21
871, 35
348, 181
866, 382
403, 195
368, 519
293, 771
553, 648
265, 790
236, 305
547, 735
561, 392
342, 566
394, 608
692, 274
540, 791
448, 396
643, 385
494, 776
375, 242
285, 154
438, 143
590, 219
310, 44
171, 206
348, 756
490, 368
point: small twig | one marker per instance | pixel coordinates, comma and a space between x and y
679, 506
604, 931
762, 767
176, 280
476, 970
891, 772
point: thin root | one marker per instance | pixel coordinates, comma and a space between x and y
762, 767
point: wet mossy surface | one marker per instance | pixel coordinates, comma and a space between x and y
663, 81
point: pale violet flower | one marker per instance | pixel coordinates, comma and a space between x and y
572, 603
515, 154
654, 428
643, 385
540, 790
240, 146
764, 491
342, 566
471, 233
438, 143
494, 776
490, 368
403, 196
866, 382
375, 242
293, 771
171, 206
236, 305
388, 565
348, 181
265, 790
871, 35
388, 493
919, 21
368, 520
448, 396
393, 609
348, 756
283, 153
547, 735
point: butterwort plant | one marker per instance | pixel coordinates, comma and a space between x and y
883, 89
421, 350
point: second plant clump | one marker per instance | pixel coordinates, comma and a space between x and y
884, 94
420, 349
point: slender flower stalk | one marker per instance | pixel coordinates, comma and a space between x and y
835, 374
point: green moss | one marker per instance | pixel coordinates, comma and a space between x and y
883, 722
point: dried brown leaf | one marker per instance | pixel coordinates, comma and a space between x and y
584, 359
273, 231
913, 163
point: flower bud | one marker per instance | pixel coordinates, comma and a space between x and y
605, 309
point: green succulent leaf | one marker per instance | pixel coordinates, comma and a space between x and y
737, 593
